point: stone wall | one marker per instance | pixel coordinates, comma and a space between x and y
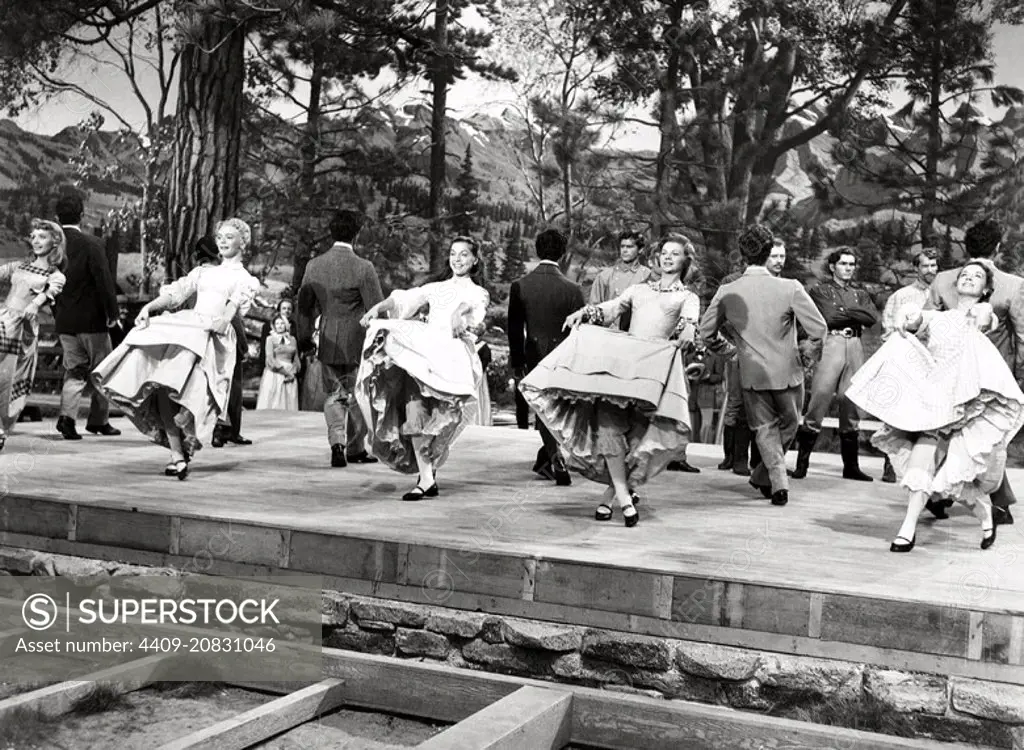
953, 709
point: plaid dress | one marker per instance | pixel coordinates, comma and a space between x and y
19, 337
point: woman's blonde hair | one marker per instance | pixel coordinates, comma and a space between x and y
242, 227
58, 253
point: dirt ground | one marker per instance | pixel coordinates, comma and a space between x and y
148, 719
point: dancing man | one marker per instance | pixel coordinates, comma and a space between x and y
83, 313
538, 305
614, 280
340, 287
761, 312
982, 243
847, 310
912, 296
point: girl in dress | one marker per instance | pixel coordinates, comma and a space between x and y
172, 372
418, 380
948, 402
35, 281
617, 402
279, 387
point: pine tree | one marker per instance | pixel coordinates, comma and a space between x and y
467, 201
515, 260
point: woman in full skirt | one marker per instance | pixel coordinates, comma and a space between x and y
35, 281
418, 380
172, 373
948, 403
279, 386
617, 402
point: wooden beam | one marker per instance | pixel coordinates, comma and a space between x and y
259, 724
58, 699
600, 719
537, 718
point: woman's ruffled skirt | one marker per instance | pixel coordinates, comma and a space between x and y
604, 392
177, 354
276, 392
416, 380
968, 399
19, 339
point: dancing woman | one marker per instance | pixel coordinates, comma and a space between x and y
35, 281
418, 380
948, 402
172, 373
617, 403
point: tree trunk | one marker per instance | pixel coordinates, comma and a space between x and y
439, 81
310, 151
207, 142
667, 126
930, 196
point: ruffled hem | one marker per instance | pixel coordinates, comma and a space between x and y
589, 427
383, 390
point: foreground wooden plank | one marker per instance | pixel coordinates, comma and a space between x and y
537, 718
259, 724
600, 718
58, 699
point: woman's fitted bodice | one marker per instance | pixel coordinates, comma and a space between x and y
212, 287
26, 282
655, 314
442, 299
283, 348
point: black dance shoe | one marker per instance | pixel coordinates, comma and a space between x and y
634, 496
988, 537
238, 440
780, 497
633, 519
361, 458
937, 508
418, 493
603, 513
894, 547
103, 429
1001, 516
338, 460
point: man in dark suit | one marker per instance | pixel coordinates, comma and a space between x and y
538, 305
340, 287
762, 311
83, 314
982, 243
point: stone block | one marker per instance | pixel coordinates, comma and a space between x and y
541, 636
421, 643
460, 624
376, 626
492, 631
1017, 733
354, 639
502, 657
629, 650
745, 695
806, 674
334, 609
716, 662
407, 615
989, 700
907, 693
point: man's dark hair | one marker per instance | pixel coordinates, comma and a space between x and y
345, 225
205, 251
982, 240
839, 252
755, 243
635, 236
928, 252
550, 244
69, 208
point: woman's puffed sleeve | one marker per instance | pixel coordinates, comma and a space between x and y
245, 294
179, 291
478, 308
408, 302
611, 310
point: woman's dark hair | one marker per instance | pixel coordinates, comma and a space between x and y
477, 274
989, 278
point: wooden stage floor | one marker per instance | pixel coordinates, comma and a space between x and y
710, 560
